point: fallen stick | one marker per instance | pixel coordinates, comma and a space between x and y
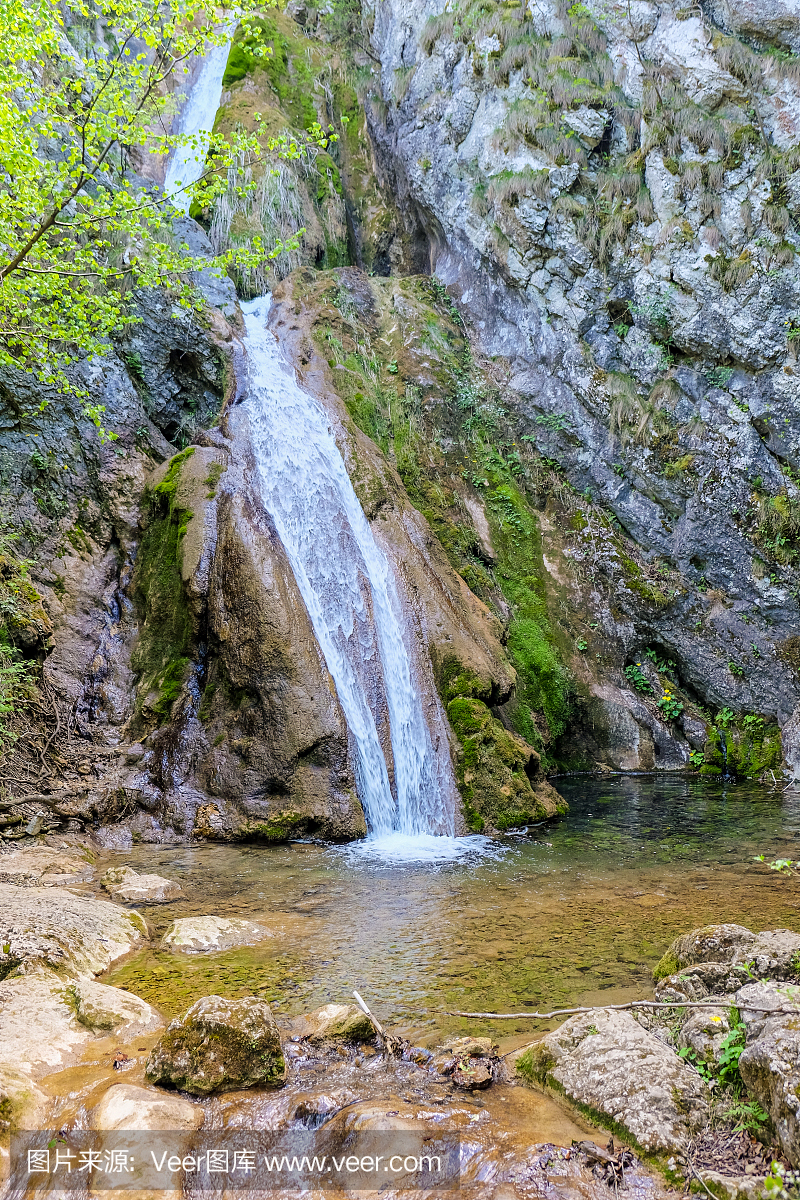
394, 1045
563, 1012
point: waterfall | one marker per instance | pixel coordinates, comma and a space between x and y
196, 122
348, 589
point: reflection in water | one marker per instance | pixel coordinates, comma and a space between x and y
579, 911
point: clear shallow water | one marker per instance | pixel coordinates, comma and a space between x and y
579, 912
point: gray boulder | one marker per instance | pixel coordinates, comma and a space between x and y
333, 1023
614, 1069
770, 1064
208, 935
719, 958
711, 944
126, 884
219, 1045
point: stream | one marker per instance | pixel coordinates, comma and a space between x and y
577, 912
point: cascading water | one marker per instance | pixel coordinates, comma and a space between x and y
196, 122
348, 589
343, 577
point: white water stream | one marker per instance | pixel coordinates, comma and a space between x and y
196, 122
349, 592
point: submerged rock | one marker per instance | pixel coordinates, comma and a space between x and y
610, 1066
204, 935
333, 1023
219, 1045
126, 884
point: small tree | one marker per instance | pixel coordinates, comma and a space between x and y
83, 85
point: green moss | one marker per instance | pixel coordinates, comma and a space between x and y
162, 654
543, 685
535, 1064
668, 965
287, 67
492, 770
212, 479
280, 828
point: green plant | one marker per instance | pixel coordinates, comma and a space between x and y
719, 377
724, 718
664, 666
747, 1115
670, 707
621, 329
582, 644
697, 758
636, 676
735, 669
80, 231
731, 1051
781, 1183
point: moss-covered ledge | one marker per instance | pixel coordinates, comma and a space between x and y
498, 774
167, 584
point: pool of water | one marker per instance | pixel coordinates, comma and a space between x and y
576, 911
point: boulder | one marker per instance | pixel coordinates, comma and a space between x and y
770, 1063
125, 1106
205, 935
45, 866
755, 1001
333, 1023
22, 1103
775, 954
605, 1062
126, 884
699, 981
48, 1019
61, 930
705, 1031
711, 944
721, 957
219, 1045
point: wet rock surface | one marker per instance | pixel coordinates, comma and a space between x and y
219, 1045
207, 935
123, 883
333, 1023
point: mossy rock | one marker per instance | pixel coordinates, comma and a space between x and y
219, 1045
498, 773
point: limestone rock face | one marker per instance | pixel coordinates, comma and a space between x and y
572, 317
204, 935
219, 1045
333, 1023
606, 1061
124, 883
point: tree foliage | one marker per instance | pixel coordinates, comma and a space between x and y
87, 89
